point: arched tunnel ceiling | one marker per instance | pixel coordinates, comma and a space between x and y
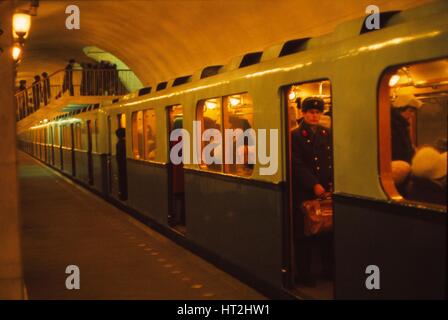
160, 40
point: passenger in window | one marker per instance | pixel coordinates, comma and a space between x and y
312, 178
428, 182
246, 153
403, 110
150, 143
120, 155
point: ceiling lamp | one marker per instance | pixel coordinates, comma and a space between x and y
21, 23
16, 52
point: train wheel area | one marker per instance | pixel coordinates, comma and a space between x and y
67, 228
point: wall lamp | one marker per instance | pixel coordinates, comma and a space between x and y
21, 24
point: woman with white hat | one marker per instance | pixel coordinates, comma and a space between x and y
403, 109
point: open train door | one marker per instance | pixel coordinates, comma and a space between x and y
308, 257
89, 151
176, 192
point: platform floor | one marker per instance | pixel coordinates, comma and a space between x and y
118, 257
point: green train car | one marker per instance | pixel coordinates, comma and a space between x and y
241, 218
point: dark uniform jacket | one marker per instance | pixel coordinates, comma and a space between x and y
402, 148
311, 164
311, 160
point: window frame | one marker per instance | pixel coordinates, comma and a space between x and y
222, 129
384, 143
143, 157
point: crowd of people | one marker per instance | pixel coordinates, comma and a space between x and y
93, 79
84, 79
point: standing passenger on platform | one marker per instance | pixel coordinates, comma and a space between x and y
23, 105
37, 90
120, 155
68, 78
46, 92
312, 178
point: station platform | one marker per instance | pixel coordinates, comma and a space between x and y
118, 257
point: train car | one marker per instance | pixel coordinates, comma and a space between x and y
241, 215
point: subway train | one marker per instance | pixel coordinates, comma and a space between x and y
240, 216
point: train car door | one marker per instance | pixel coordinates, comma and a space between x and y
89, 151
72, 148
120, 172
308, 251
52, 146
176, 194
109, 155
45, 145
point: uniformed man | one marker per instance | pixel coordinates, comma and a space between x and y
312, 178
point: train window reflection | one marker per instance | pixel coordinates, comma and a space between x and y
413, 122
56, 136
137, 135
150, 134
78, 136
209, 114
238, 114
230, 112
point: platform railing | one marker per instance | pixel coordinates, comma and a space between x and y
74, 83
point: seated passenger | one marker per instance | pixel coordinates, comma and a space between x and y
428, 182
403, 109
400, 175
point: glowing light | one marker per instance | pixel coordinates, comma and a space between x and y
234, 101
16, 52
21, 23
210, 105
394, 80
292, 95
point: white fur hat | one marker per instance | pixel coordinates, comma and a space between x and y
429, 163
407, 100
400, 170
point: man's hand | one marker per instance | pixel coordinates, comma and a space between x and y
318, 190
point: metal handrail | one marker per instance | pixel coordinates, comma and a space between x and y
74, 83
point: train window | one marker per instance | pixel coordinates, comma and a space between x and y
209, 114
137, 135
413, 109
78, 136
238, 114
96, 133
150, 134
65, 137
56, 135
121, 120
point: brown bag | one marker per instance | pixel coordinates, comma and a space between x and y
318, 215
